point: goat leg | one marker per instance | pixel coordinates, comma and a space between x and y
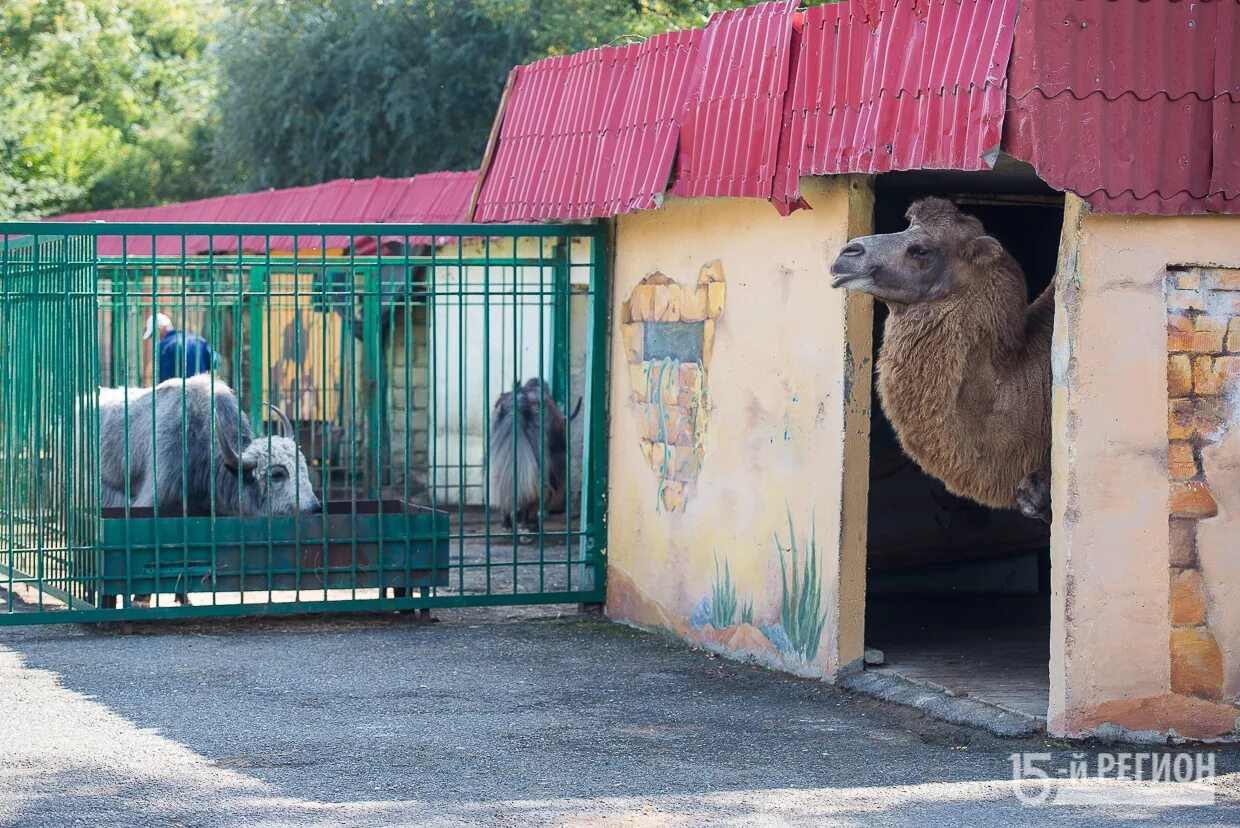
1033, 495
529, 517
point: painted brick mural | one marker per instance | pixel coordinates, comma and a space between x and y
668, 331
1203, 386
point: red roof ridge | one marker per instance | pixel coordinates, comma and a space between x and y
1234, 97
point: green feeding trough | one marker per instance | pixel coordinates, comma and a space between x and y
373, 544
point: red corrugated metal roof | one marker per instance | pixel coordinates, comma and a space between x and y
431, 198
729, 135
895, 85
594, 134
870, 86
1134, 106
591, 134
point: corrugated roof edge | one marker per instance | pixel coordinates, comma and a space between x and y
724, 91
427, 198
1134, 113
1228, 94
125, 213
632, 134
1019, 76
882, 113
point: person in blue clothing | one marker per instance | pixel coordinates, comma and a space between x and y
179, 353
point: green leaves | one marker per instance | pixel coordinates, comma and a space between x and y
104, 104
354, 88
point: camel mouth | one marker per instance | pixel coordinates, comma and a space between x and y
863, 281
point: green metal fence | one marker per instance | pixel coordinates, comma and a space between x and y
374, 355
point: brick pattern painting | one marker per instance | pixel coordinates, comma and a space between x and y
1203, 385
668, 331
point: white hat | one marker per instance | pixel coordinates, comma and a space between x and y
159, 320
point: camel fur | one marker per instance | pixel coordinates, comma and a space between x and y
964, 369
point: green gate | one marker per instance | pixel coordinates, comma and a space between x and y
140, 479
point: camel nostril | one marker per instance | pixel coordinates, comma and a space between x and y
853, 249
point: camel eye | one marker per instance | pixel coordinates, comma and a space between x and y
917, 251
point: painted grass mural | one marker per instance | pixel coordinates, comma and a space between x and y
801, 610
723, 598
795, 627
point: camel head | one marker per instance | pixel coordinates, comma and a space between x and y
914, 265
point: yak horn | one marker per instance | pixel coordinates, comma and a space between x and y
284, 421
230, 457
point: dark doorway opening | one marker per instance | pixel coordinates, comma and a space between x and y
958, 595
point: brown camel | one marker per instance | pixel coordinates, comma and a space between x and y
964, 370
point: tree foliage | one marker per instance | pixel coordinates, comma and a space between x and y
105, 103
320, 89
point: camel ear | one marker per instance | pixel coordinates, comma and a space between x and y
981, 249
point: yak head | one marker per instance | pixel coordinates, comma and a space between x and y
273, 475
535, 388
536, 397
522, 402
917, 264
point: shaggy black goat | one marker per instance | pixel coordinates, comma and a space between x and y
528, 455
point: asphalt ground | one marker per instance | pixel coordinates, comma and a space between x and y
491, 718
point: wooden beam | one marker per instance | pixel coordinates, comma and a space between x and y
492, 141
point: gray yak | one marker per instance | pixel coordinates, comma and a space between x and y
163, 449
172, 460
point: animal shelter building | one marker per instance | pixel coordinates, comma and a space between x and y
759, 503
312, 276
337, 453
651, 235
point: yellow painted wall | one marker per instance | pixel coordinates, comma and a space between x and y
1113, 559
303, 351
703, 484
